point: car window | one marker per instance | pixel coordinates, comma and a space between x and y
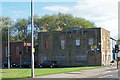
49, 62
46, 62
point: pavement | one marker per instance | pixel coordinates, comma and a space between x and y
80, 74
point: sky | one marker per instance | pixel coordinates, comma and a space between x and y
103, 13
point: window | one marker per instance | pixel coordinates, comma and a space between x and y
47, 44
108, 57
62, 44
26, 49
80, 58
90, 41
29, 49
103, 57
17, 51
102, 43
77, 42
6, 51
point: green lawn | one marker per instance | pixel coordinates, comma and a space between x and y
26, 73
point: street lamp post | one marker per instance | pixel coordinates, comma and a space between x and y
32, 27
8, 50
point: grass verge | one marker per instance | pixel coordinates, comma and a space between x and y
26, 73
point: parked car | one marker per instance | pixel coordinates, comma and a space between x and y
26, 64
5, 64
50, 64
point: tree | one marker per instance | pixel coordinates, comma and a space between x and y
61, 21
21, 27
36, 27
5, 22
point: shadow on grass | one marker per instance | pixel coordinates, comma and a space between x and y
7, 79
16, 78
62, 79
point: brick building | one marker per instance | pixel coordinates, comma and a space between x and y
75, 47
19, 52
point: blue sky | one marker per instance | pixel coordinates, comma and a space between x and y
104, 13
17, 10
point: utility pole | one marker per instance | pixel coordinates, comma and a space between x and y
32, 48
8, 50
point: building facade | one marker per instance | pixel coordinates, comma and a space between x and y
19, 52
75, 47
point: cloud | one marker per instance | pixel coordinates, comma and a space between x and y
57, 8
104, 13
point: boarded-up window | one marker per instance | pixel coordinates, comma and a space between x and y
17, 51
81, 58
60, 59
47, 44
6, 51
